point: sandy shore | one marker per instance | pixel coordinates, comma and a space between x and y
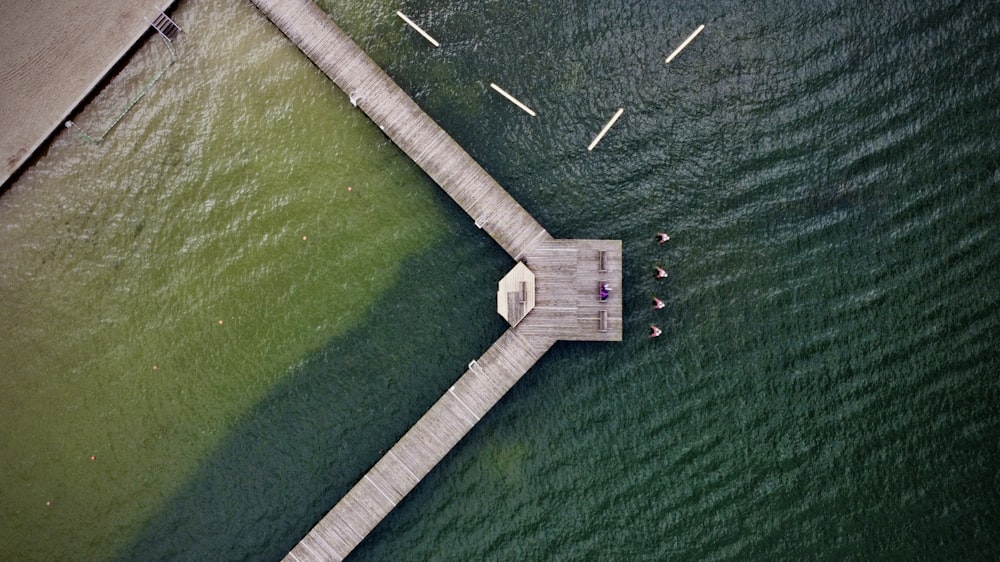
52, 54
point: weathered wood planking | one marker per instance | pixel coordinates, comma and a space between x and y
420, 449
516, 294
567, 273
567, 281
412, 130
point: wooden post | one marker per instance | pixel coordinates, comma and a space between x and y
426, 35
685, 43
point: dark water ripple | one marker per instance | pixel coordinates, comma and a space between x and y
832, 355
826, 385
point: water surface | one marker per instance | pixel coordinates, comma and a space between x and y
825, 386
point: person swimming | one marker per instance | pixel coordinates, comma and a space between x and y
662, 237
660, 273
654, 331
657, 303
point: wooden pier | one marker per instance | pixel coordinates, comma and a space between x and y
567, 276
402, 120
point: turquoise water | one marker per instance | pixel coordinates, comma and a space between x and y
825, 386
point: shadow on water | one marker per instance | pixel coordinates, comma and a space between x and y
298, 451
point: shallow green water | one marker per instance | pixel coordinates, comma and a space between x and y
825, 386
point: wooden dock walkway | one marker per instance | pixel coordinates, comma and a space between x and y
421, 448
402, 120
567, 276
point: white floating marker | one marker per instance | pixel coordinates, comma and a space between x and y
426, 35
604, 131
512, 99
685, 43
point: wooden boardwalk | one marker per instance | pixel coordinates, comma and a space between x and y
567, 279
52, 56
419, 450
567, 284
402, 120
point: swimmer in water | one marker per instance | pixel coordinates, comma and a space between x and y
657, 303
660, 273
662, 237
654, 331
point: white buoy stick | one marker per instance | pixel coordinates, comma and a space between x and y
512, 99
426, 35
607, 127
685, 43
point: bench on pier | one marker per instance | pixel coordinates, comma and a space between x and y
602, 321
602, 261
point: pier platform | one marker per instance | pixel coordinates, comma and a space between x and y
565, 277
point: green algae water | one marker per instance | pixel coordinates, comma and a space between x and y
157, 285
825, 386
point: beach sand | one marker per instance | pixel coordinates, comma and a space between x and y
53, 53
